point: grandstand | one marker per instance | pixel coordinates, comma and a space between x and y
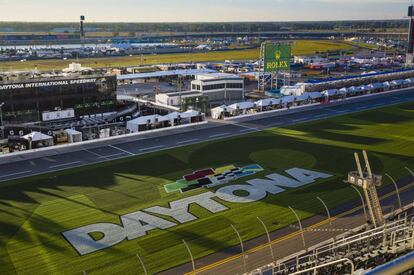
364, 250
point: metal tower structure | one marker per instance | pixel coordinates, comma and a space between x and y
269, 79
82, 29
368, 181
264, 78
410, 49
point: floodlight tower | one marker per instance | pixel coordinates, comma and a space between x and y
81, 28
410, 49
368, 181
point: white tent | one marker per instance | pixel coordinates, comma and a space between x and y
264, 102
288, 99
73, 135
218, 111
38, 139
331, 92
133, 125
315, 95
343, 91
190, 114
302, 97
172, 117
242, 105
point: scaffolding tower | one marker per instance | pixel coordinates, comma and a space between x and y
269, 79
369, 182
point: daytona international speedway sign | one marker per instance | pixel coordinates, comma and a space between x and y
138, 224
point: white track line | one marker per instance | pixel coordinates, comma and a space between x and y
248, 130
187, 141
65, 164
122, 150
95, 154
16, 174
219, 135
151, 148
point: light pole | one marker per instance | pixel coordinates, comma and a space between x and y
396, 189
300, 226
142, 264
327, 211
241, 245
268, 238
362, 200
409, 170
191, 255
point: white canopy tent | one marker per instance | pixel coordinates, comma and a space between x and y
217, 112
134, 125
37, 139
73, 135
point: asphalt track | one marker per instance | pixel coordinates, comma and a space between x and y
21, 166
288, 240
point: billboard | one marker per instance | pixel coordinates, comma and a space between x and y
277, 57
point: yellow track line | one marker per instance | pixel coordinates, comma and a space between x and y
293, 234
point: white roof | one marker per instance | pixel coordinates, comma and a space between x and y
165, 73
215, 75
242, 105
268, 102
72, 132
288, 99
190, 113
144, 119
173, 115
37, 136
314, 95
330, 92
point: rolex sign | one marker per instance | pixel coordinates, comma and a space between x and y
277, 57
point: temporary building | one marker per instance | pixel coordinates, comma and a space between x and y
73, 135
315, 95
216, 113
143, 122
240, 107
172, 117
38, 140
191, 116
331, 92
288, 99
343, 91
301, 98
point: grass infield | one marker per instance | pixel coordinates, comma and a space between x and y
301, 47
34, 212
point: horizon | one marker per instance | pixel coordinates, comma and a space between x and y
197, 11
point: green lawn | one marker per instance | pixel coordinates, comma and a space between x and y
301, 47
34, 212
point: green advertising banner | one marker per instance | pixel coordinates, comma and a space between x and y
277, 57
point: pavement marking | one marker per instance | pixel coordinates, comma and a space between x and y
112, 155
16, 174
291, 235
64, 164
247, 130
151, 148
219, 135
122, 150
95, 154
187, 141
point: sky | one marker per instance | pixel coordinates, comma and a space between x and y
200, 10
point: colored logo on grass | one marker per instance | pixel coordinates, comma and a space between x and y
211, 177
